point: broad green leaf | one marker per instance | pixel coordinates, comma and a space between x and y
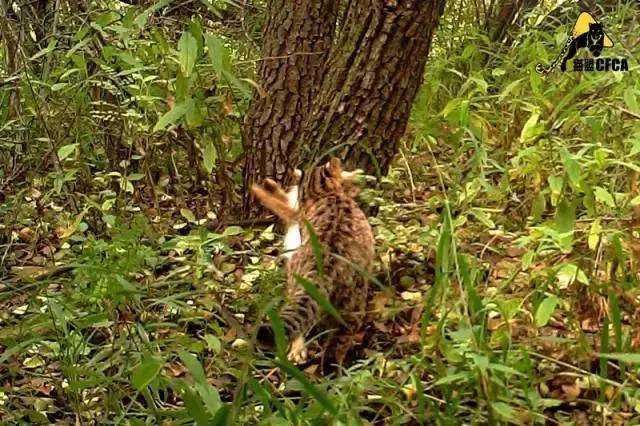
220, 59
194, 366
572, 168
568, 273
545, 310
631, 100
531, 128
604, 196
510, 87
315, 294
594, 234
67, 150
505, 369
209, 156
555, 184
208, 394
504, 410
218, 55
213, 343
188, 214
482, 362
194, 115
538, 207
141, 20
565, 217
195, 407
173, 115
146, 372
232, 230
135, 177
188, 52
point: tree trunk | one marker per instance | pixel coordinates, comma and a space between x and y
371, 79
296, 42
351, 97
510, 13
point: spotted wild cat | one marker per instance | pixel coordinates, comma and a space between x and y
325, 202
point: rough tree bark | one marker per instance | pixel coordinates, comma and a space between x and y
348, 90
296, 42
509, 13
372, 76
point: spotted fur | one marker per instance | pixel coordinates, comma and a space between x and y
327, 204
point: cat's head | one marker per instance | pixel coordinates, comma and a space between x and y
324, 180
596, 30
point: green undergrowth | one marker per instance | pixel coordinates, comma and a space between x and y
505, 292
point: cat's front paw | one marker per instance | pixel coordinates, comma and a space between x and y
297, 351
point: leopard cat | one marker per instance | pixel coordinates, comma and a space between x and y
326, 203
292, 239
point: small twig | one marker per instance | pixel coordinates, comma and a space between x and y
631, 113
268, 58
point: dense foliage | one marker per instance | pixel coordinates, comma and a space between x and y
507, 234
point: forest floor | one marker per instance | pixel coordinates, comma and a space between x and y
151, 320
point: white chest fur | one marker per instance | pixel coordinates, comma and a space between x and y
292, 239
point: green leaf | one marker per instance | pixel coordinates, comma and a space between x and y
594, 234
135, 177
208, 394
232, 230
218, 54
316, 247
451, 378
65, 151
192, 363
172, 116
141, 20
538, 207
568, 273
631, 100
195, 407
146, 371
213, 343
604, 196
316, 393
188, 214
277, 325
572, 168
565, 217
504, 410
545, 310
629, 358
315, 294
188, 52
209, 156
220, 59
531, 128
194, 115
